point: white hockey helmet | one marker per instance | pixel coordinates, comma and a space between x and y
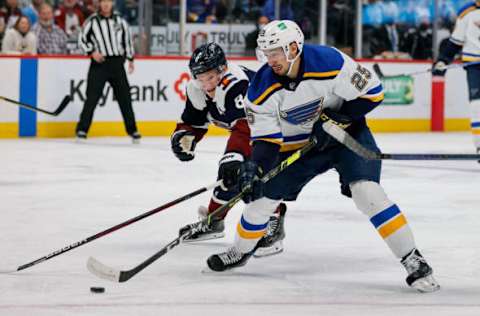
280, 34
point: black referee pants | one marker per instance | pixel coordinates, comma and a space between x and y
113, 72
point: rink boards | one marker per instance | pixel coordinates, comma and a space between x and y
158, 94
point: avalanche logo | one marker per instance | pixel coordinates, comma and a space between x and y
181, 84
303, 113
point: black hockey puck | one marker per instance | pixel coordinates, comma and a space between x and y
97, 289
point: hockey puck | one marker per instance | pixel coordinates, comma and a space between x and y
97, 289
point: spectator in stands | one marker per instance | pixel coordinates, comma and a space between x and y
385, 40
19, 39
10, 13
201, 11
417, 41
286, 12
251, 38
31, 11
69, 17
51, 39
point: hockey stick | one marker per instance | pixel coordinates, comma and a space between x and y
344, 138
108, 273
381, 75
121, 225
59, 109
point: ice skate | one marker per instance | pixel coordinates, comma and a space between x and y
231, 258
420, 274
213, 231
272, 243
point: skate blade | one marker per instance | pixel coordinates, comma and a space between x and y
276, 248
205, 237
426, 285
206, 270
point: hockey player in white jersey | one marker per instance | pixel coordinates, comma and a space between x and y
291, 96
466, 39
215, 95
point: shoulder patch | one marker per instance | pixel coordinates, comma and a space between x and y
263, 86
321, 62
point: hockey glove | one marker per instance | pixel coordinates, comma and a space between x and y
439, 68
229, 168
323, 139
249, 180
183, 145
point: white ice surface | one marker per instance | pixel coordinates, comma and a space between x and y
54, 192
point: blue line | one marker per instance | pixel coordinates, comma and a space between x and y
475, 124
27, 122
385, 215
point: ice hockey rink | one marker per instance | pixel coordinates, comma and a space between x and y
54, 192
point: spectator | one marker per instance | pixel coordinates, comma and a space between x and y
251, 38
417, 41
10, 13
286, 12
385, 41
69, 17
201, 11
19, 39
51, 39
31, 11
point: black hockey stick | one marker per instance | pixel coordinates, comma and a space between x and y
108, 273
344, 138
117, 227
381, 75
59, 109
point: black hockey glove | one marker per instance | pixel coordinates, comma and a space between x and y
439, 68
323, 139
249, 180
229, 169
183, 145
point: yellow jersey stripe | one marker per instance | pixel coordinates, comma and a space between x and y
266, 93
321, 74
470, 58
467, 11
271, 140
290, 147
476, 131
374, 98
250, 234
392, 226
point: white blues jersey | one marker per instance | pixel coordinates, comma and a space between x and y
283, 111
467, 31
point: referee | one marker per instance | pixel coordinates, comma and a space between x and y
106, 39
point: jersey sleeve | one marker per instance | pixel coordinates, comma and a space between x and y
195, 112
359, 87
460, 31
239, 140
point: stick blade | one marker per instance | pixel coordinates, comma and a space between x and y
66, 100
102, 271
7, 271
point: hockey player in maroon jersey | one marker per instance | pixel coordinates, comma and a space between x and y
215, 95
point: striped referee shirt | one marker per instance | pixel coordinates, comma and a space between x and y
109, 36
